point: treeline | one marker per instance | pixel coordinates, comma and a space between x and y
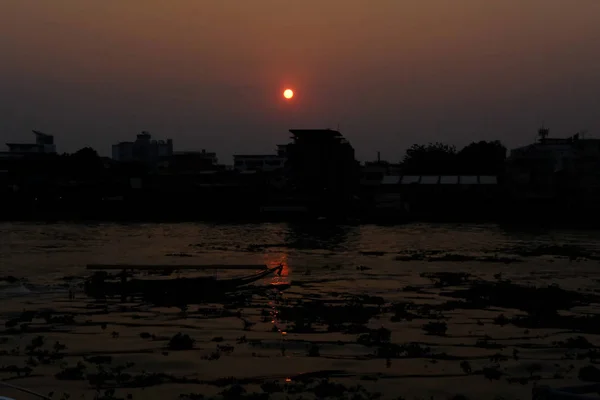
478, 158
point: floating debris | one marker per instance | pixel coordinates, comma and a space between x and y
436, 328
444, 279
181, 342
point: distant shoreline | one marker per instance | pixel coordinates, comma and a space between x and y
513, 223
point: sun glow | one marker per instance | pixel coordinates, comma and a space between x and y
288, 93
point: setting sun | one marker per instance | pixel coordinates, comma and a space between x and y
288, 93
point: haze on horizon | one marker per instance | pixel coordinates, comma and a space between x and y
210, 74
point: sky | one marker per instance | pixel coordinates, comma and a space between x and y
210, 73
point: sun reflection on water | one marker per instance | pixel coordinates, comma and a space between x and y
273, 260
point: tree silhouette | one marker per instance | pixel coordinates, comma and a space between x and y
85, 162
478, 158
433, 158
86, 153
482, 158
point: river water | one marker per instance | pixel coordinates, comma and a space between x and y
321, 263
43, 252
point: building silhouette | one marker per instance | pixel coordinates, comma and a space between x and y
44, 144
261, 162
550, 166
322, 168
143, 149
190, 161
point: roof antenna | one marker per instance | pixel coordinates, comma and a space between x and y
543, 133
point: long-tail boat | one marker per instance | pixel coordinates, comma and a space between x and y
102, 284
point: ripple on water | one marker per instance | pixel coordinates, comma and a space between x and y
330, 270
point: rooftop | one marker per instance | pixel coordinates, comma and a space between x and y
440, 180
257, 156
38, 133
194, 153
29, 145
315, 132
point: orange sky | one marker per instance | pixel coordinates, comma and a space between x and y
390, 72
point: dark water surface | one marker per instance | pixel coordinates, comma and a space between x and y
389, 274
44, 252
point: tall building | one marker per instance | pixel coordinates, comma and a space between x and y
321, 164
143, 149
44, 144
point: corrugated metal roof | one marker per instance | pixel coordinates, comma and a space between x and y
449, 179
408, 179
469, 179
440, 179
390, 180
430, 179
488, 180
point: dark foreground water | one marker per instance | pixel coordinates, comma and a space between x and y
414, 311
